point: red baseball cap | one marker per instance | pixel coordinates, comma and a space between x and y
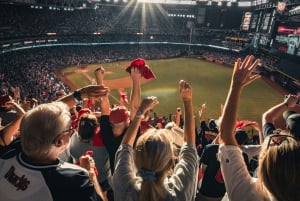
145, 70
118, 114
83, 111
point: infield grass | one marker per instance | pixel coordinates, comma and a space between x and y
209, 81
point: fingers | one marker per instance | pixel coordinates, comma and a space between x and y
183, 85
148, 103
243, 71
185, 90
87, 162
100, 69
135, 70
237, 64
247, 61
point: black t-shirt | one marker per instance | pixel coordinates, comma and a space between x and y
212, 182
111, 142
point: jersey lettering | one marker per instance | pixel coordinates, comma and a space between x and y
21, 182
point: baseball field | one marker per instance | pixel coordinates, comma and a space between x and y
209, 81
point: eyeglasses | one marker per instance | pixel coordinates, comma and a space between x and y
70, 131
277, 139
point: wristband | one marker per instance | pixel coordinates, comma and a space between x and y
139, 115
77, 96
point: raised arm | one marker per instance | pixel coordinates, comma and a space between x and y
87, 92
241, 77
178, 116
276, 111
185, 91
99, 75
257, 127
135, 95
201, 112
146, 105
104, 101
12, 128
88, 163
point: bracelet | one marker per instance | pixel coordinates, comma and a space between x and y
139, 115
77, 96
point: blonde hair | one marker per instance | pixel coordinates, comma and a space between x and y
278, 169
40, 126
154, 153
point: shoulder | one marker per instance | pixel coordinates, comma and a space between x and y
103, 118
212, 146
74, 181
268, 129
71, 175
10, 150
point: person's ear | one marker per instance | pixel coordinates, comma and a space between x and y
59, 141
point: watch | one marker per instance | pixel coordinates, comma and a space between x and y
77, 96
139, 115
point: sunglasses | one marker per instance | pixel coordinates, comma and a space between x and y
277, 139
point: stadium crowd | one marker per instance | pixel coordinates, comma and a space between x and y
59, 143
131, 153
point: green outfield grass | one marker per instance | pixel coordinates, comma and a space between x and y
209, 81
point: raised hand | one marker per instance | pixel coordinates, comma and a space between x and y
243, 71
99, 74
148, 103
135, 74
94, 91
185, 90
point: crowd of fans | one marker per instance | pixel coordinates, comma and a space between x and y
130, 153
23, 21
62, 144
34, 71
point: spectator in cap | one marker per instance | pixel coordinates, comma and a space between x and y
114, 122
279, 161
271, 115
147, 171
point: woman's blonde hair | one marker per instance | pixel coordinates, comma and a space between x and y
279, 166
154, 156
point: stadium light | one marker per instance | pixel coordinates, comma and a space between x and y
244, 3
190, 2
